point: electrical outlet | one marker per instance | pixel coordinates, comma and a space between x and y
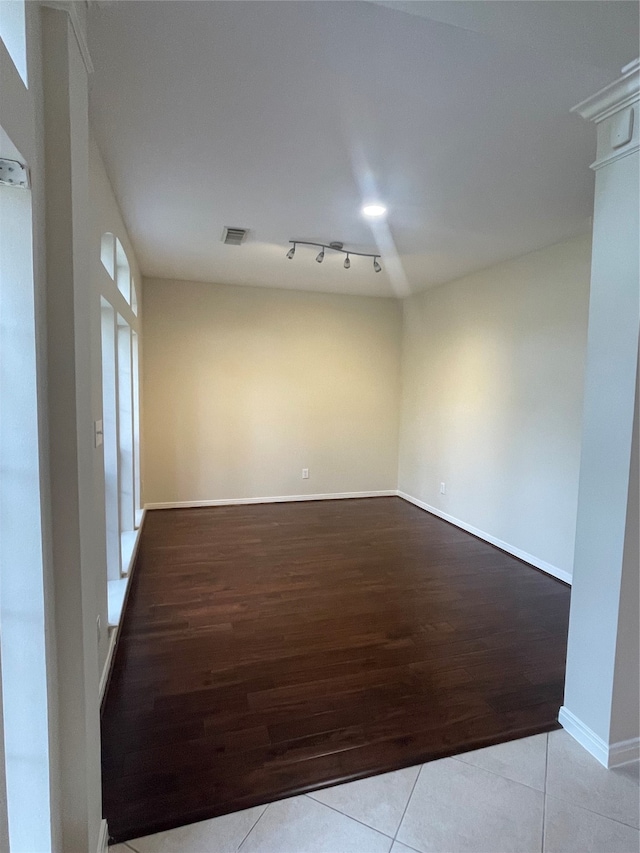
443, 489
305, 473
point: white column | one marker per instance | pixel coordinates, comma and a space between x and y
601, 692
75, 521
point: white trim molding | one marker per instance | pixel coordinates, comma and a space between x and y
136, 545
107, 664
103, 837
585, 736
614, 110
113, 629
613, 98
335, 496
78, 26
624, 752
554, 571
609, 755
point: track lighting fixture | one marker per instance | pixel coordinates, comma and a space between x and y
334, 247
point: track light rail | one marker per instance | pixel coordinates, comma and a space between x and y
334, 247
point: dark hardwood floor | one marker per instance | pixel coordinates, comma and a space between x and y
268, 650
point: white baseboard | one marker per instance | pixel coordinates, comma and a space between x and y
103, 837
609, 755
107, 664
136, 545
585, 736
624, 752
493, 540
504, 546
104, 677
270, 500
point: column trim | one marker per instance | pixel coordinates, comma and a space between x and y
613, 98
78, 29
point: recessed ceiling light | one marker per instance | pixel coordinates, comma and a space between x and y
374, 210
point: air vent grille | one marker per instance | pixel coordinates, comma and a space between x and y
234, 236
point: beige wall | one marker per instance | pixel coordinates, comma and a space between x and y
244, 387
492, 399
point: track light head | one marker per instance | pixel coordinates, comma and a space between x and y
334, 247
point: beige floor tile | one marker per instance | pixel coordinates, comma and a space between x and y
378, 801
573, 775
570, 829
456, 808
302, 825
120, 848
219, 835
522, 760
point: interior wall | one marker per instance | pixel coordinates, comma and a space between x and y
244, 387
492, 374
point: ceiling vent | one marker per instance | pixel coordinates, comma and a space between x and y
234, 236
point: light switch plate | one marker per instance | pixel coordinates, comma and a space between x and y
622, 128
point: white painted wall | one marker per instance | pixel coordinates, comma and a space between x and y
244, 387
492, 373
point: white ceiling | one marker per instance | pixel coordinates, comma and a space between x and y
283, 117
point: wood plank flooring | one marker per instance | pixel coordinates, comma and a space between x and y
268, 650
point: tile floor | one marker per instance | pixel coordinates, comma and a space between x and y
539, 794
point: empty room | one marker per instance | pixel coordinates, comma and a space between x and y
319, 438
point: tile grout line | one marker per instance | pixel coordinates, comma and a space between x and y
561, 799
501, 775
544, 793
408, 846
591, 811
263, 812
126, 844
344, 814
407, 805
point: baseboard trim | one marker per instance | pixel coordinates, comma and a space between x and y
609, 755
555, 572
106, 669
103, 837
335, 496
585, 736
136, 544
624, 752
113, 639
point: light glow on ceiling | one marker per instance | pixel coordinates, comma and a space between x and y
374, 210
